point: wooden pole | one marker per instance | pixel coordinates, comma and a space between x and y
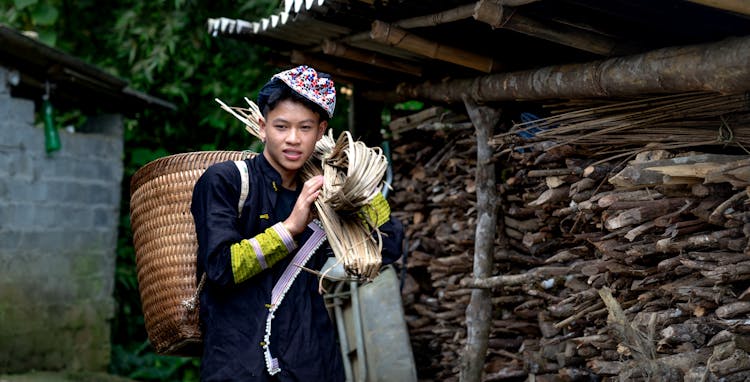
360, 55
534, 275
498, 16
515, 3
451, 15
455, 14
386, 33
737, 6
720, 67
479, 311
301, 58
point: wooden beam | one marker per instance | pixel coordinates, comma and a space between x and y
385, 96
737, 6
451, 15
386, 33
361, 55
515, 3
719, 67
498, 16
301, 58
371, 58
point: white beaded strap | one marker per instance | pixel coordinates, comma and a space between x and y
285, 282
245, 190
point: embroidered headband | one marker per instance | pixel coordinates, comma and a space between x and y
305, 81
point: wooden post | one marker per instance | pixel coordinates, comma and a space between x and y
365, 121
719, 67
479, 311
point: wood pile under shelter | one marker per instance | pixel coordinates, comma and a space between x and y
621, 245
575, 192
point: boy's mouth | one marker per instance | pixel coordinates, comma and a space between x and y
292, 155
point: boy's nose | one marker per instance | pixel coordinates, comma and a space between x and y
293, 135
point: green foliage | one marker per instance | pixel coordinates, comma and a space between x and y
412, 105
140, 364
44, 14
38, 17
161, 48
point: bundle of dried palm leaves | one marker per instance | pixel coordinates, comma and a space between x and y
353, 174
667, 122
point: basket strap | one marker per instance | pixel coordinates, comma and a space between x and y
192, 302
245, 190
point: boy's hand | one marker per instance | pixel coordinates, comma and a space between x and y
301, 213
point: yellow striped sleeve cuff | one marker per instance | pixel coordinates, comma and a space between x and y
252, 256
377, 212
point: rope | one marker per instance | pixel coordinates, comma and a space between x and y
726, 134
192, 302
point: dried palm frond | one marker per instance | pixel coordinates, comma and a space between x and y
667, 122
353, 175
249, 116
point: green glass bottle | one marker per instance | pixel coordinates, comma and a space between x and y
51, 137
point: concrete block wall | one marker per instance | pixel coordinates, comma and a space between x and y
58, 233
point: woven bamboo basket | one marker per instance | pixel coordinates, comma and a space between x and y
166, 247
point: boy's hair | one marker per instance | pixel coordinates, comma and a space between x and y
283, 92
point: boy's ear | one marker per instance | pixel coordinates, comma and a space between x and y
262, 128
322, 128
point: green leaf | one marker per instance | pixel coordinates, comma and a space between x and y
48, 37
409, 105
141, 156
44, 14
21, 4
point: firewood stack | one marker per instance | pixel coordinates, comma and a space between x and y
665, 235
434, 196
625, 266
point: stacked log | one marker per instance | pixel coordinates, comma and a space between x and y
634, 269
434, 196
657, 240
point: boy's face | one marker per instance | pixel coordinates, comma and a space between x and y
290, 131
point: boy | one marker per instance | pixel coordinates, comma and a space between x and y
263, 319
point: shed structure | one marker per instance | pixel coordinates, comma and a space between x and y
574, 191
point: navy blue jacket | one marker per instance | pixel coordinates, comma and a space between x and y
233, 316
